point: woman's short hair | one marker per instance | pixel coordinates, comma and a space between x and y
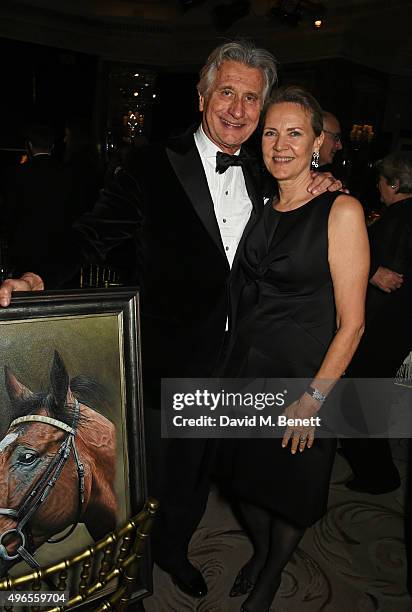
244, 52
298, 95
396, 167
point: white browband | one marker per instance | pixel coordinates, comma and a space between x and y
43, 419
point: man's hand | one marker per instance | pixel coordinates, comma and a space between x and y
386, 280
324, 181
28, 282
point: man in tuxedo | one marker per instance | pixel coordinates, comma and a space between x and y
186, 204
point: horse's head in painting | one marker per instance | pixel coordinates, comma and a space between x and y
57, 467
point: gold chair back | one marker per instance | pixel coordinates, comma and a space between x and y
117, 556
99, 276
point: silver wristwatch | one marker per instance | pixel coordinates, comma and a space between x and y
316, 394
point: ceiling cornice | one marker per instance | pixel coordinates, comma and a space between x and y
366, 35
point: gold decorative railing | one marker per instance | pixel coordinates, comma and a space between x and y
119, 555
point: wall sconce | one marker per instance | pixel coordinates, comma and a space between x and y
362, 134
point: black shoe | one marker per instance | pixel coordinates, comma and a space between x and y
241, 585
195, 585
362, 486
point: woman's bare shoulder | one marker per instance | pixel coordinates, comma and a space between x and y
346, 206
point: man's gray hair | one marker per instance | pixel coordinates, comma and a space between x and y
244, 52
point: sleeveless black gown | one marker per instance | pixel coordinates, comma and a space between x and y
284, 320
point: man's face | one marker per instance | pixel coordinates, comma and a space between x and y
386, 191
331, 142
232, 106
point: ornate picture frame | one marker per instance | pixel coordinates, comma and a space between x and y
72, 370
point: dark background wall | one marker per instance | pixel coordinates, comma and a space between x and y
48, 84
41, 83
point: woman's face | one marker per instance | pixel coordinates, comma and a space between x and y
288, 141
387, 192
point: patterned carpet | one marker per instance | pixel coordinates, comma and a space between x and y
353, 560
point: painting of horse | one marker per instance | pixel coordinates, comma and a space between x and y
57, 465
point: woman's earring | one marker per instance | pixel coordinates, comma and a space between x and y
315, 159
393, 186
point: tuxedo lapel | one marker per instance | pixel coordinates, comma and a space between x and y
189, 170
253, 190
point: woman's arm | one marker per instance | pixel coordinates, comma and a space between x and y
349, 266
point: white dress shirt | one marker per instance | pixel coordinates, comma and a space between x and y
231, 202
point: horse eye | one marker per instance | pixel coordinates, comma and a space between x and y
27, 458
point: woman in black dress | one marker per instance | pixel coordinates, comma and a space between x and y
298, 295
388, 318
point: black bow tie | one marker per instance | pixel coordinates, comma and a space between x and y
224, 160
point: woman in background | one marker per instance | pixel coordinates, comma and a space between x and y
388, 337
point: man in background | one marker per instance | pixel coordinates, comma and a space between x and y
332, 142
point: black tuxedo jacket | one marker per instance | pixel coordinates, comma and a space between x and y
391, 247
161, 201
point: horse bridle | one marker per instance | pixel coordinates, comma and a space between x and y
42, 489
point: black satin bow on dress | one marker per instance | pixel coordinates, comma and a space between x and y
224, 160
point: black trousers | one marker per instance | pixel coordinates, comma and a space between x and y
179, 477
179, 473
